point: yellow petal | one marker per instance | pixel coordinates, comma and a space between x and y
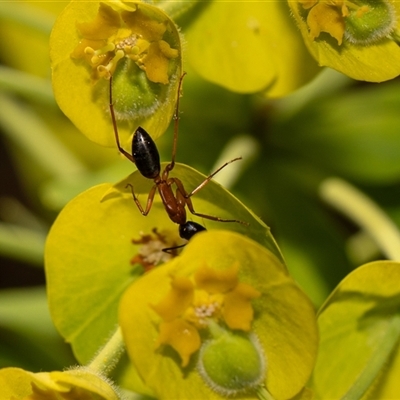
238, 310
177, 300
156, 64
216, 281
105, 24
307, 3
325, 18
182, 336
143, 25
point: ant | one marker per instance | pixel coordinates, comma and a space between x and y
147, 159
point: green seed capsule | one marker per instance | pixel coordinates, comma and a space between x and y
232, 363
371, 22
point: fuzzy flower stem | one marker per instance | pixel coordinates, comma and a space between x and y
107, 358
364, 212
263, 394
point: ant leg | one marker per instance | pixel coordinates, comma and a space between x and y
149, 199
212, 217
172, 250
171, 165
114, 122
209, 177
182, 192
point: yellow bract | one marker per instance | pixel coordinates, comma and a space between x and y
190, 304
249, 46
360, 323
80, 383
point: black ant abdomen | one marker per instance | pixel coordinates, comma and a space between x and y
145, 154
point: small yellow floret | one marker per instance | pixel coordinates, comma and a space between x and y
181, 336
215, 296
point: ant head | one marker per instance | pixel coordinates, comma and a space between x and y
189, 229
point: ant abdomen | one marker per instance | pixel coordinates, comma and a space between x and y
145, 154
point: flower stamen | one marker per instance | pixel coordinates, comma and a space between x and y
106, 71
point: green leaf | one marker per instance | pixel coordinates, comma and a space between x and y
359, 335
249, 47
89, 248
354, 136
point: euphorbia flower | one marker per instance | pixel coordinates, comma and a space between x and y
352, 37
225, 298
192, 303
135, 43
131, 34
79, 383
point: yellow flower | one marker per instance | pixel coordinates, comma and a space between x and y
360, 22
192, 303
113, 36
223, 298
135, 43
352, 37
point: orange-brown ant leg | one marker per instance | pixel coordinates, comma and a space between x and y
209, 177
181, 190
150, 199
171, 165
